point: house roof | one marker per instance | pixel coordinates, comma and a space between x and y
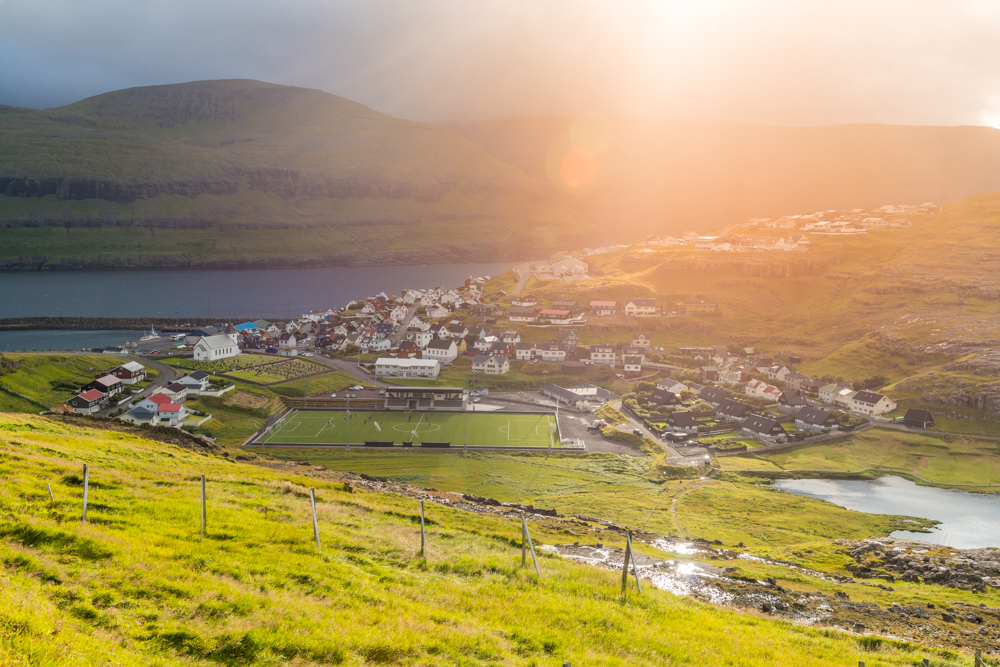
559, 392
684, 419
602, 348
160, 399
107, 380
642, 303
734, 408
554, 312
713, 394
551, 347
197, 375
633, 361
759, 424
438, 344
869, 397
563, 304
523, 346
218, 342
603, 304
170, 407
792, 398
133, 366
92, 395
811, 415
175, 387
141, 413
522, 310
664, 397
913, 414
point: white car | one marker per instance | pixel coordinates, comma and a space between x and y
307, 354
333, 396
476, 399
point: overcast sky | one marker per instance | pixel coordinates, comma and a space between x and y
784, 62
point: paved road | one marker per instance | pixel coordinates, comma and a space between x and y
397, 338
523, 275
349, 366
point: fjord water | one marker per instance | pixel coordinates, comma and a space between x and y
257, 293
968, 520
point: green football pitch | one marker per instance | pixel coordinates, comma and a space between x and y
315, 427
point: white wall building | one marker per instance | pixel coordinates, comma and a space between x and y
211, 348
407, 368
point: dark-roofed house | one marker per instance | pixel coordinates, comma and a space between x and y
88, 402
709, 373
551, 351
522, 314
713, 395
918, 418
195, 381
632, 366
791, 401
177, 392
815, 419
642, 339
763, 428
733, 410
524, 300
603, 308
663, 397
602, 354
445, 351
683, 421
524, 351
141, 416
569, 337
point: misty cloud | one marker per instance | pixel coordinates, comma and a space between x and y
773, 61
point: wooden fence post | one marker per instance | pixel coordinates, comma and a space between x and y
312, 501
86, 486
979, 659
49, 487
524, 542
635, 566
204, 514
925, 662
526, 537
861, 663
423, 533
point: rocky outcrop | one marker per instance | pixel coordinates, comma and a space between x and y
889, 558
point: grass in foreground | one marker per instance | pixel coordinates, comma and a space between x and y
135, 587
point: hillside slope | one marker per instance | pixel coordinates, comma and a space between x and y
885, 302
667, 177
134, 586
244, 173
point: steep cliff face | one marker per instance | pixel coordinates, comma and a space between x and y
245, 155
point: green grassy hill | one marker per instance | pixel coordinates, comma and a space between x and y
135, 586
664, 177
244, 173
889, 302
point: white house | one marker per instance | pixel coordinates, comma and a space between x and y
444, 351
524, 351
407, 368
212, 348
828, 393
639, 307
761, 389
602, 354
437, 310
551, 352
287, 340
871, 403
778, 372
490, 364
673, 386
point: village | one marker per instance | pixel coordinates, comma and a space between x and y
720, 396
827, 223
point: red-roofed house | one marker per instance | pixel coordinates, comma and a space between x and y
171, 414
154, 402
88, 402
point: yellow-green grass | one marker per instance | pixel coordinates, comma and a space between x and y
476, 429
628, 490
611, 415
134, 586
957, 460
758, 516
317, 384
51, 379
910, 393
